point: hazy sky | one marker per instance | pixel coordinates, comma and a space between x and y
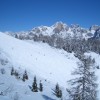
18, 15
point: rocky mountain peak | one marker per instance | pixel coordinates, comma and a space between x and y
60, 26
94, 27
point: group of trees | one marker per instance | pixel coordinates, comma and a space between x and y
56, 91
82, 87
35, 88
69, 43
18, 76
15, 73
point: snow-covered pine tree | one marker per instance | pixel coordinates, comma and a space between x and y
25, 76
83, 87
41, 87
34, 86
16, 36
12, 71
16, 74
57, 91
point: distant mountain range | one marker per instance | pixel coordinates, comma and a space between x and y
62, 30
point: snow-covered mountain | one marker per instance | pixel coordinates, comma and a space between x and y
50, 65
61, 30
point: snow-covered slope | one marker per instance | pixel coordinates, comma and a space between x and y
39, 58
49, 65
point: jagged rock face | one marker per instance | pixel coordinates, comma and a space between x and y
90, 34
94, 27
74, 26
67, 28
61, 30
37, 30
59, 27
44, 28
97, 33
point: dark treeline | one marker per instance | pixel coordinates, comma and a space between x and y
70, 44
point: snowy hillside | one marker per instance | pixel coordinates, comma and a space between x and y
49, 64
38, 59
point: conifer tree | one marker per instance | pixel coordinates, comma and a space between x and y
34, 86
83, 87
57, 91
25, 76
41, 86
16, 74
12, 71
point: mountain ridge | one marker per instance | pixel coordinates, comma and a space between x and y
60, 29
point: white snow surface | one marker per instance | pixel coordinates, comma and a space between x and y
48, 64
40, 59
